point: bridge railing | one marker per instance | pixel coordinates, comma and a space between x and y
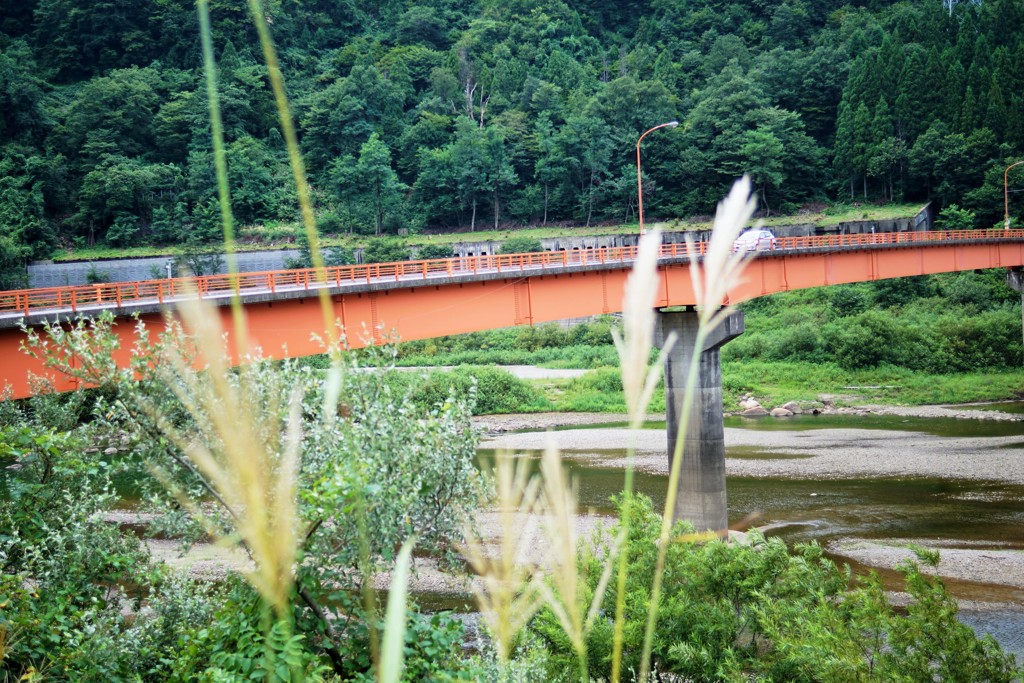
118, 294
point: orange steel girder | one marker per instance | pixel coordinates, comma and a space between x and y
285, 328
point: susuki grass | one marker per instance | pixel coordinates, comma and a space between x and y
244, 449
639, 380
713, 277
509, 593
250, 460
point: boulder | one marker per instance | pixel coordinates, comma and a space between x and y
793, 407
756, 411
749, 403
781, 412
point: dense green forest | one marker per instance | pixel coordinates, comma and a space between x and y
440, 114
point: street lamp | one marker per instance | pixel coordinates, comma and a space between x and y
639, 177
1006, 193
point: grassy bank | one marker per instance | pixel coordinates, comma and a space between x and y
599, 390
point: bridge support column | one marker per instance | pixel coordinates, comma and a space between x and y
701, 497
1015, 280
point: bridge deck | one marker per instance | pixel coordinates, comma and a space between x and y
35, 305
423, 299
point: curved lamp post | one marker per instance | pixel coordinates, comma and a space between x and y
1006, 193
639, 177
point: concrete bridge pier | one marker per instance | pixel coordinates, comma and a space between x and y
701, 497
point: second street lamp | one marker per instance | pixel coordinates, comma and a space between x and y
639, 176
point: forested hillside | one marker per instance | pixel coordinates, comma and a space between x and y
451, 113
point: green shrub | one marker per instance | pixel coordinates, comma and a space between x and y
96, 277
329, 223
386, 250
845, 300
758, 611
953, 217
122, 232
491, 390
427, 252
61, 564
521, 245
985, 340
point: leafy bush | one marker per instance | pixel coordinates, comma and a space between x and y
847, 300
122, 232
521, 245
953, 217
376, 460
491, 390
329, 223
427, 252
757, 611
96, 277
61, 565
600, 390
386, 250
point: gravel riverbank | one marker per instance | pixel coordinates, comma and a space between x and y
821, 453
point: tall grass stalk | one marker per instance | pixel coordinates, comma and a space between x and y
393, 652
247, 452
313, 239
509, 592
564, 593
297, 164
712, 279
638, 384
220, 164
237, 454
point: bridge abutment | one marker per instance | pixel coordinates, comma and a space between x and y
701, 497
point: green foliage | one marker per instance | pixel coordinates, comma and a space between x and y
386, 250
433, 650
62, 567
369, 188
233, 645
520, 245
441, 116
756, 610
434, 251
953, 217
197, 259
587, 345
940, 324
378, 460
95, 276
492, 390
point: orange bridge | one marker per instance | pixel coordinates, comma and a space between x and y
422, 299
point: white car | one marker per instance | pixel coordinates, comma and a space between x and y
755, 240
